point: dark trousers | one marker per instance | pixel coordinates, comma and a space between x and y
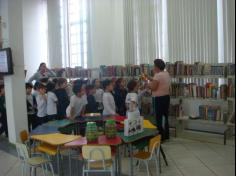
161, 110
51, 117
32, 124
40, 120
3, 121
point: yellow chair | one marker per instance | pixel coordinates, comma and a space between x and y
152, 154
32, 162
97, 159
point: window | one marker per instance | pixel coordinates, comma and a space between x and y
74, 32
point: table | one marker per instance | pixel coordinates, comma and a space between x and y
44, 130
57, 140
59, 123
102, 140
129, 140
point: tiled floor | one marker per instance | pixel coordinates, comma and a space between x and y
185, 157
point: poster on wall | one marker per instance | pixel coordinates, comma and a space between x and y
3, 62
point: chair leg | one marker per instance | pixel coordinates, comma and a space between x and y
51, 168
32, 171
159, 158
138, 166
146, 163
42, 166
157, 168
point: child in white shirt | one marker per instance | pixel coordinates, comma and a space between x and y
78, 102
99, 94
41, 100
131, 101
108, 99
51, 102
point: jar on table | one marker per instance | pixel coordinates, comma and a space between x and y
91, 132
110, 129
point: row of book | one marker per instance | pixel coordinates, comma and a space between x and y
179, 68
210, 112
208, 91
77, 72
128, 70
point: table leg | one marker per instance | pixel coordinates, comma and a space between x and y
58, 161
119, 161
163, 155
131, 160
70, 162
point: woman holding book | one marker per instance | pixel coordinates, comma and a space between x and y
42, 72
160, 86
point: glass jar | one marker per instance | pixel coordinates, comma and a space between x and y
91, 132
110, 129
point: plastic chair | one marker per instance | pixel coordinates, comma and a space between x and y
97, 159
152, 154
24, 137
32, 162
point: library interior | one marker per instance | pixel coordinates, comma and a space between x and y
117, 87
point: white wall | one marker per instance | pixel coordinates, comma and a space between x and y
34, 36
107, 29
4, 15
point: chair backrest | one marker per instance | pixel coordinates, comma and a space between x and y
24, 136
22, 151
96, 152
154, 143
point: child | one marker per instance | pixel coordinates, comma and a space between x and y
132, 99
120, 95
31, 106
41, 100
63, 98
108, 99
92, 106
3, 113
36, 89
78, 101
98, 94
51, 102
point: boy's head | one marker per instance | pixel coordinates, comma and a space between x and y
2, 90
90, 89
36, 85
62, 83
97, 83
42, 89
108, 85
28, 87
50, 86
79, 89
132, 86
120, 83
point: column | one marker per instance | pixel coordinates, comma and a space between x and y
15, 84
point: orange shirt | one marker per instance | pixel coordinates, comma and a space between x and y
164, 83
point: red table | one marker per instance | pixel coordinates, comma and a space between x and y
102, 140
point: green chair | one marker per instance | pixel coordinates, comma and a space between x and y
32, 162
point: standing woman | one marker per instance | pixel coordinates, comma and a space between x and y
160, 86
43, 72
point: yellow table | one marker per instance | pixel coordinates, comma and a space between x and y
148, 124
55, 140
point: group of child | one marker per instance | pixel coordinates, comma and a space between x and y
50, 100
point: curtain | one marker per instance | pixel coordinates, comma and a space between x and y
192, 30
142, 29
227, 44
